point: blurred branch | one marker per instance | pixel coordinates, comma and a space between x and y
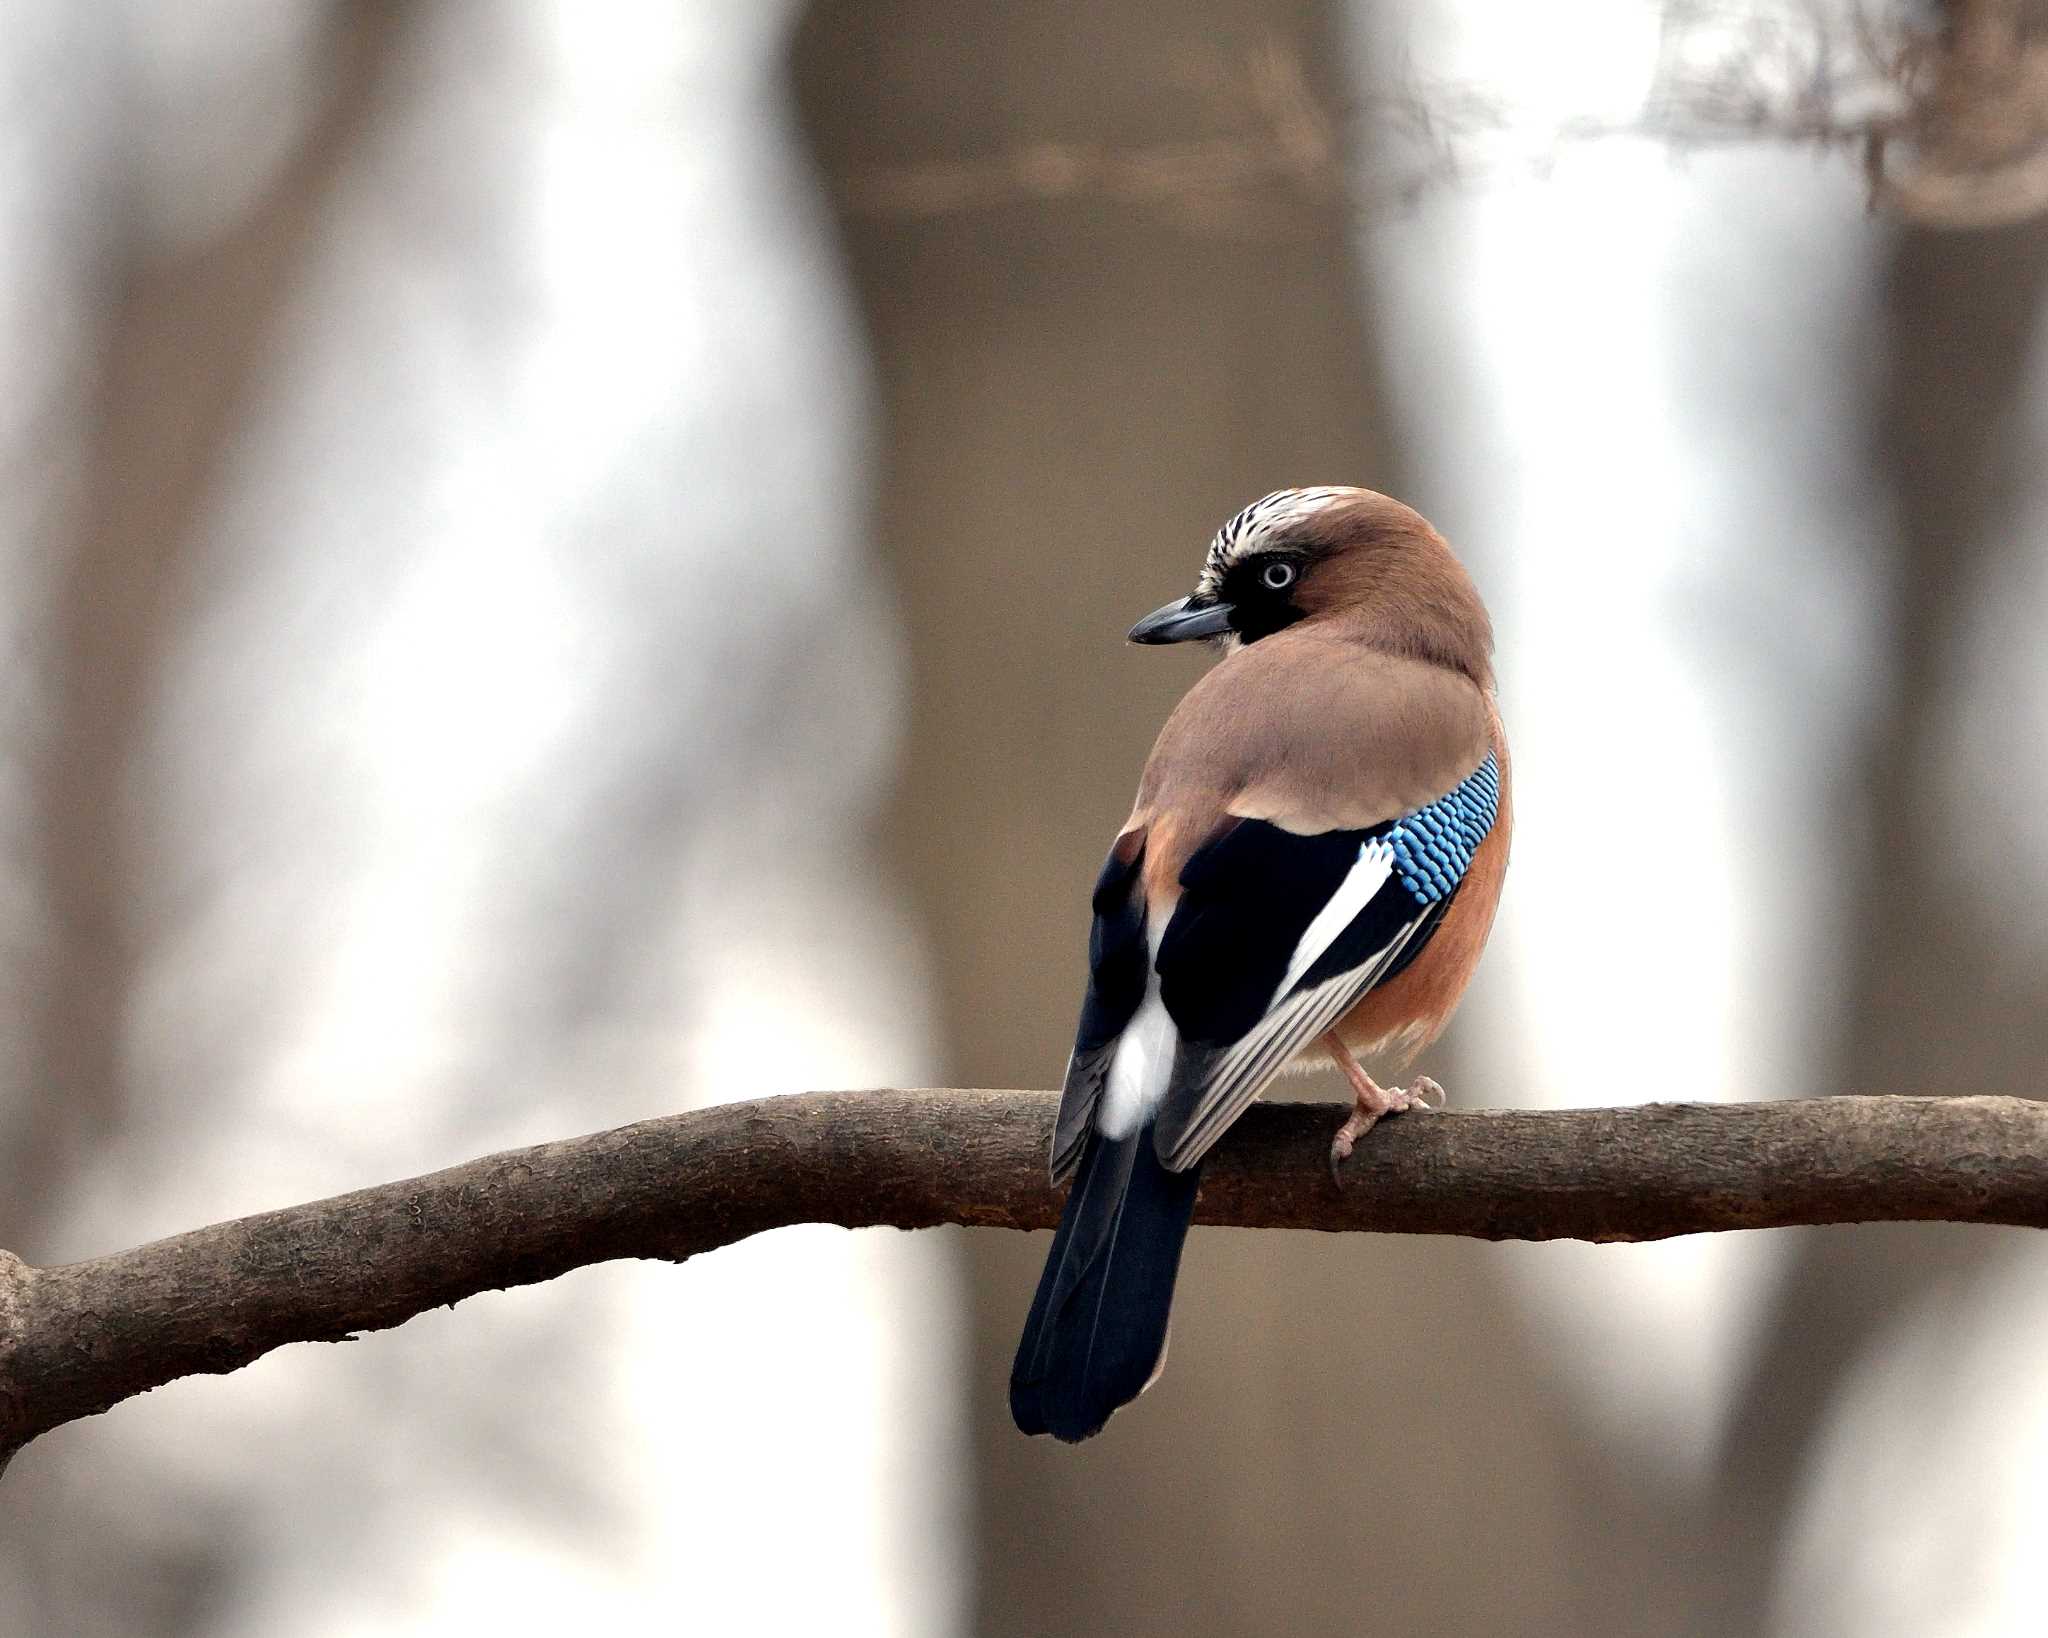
1950, 121
1293, 143
1978, 123
78, 1339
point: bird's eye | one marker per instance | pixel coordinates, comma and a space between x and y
1277, 576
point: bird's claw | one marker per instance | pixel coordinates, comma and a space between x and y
1340, 1151
1392, 1100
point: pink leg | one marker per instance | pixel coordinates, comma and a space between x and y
1370, 1101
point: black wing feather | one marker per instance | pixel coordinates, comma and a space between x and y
1247, 896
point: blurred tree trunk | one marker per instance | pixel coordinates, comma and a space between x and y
1349, 1437
1939, 998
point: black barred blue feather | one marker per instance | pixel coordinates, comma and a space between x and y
1433, 846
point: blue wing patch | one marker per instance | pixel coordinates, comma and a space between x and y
1433, 846
1432, 849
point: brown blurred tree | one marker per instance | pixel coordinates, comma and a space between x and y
1075, 394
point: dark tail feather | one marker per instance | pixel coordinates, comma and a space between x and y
1097, 1327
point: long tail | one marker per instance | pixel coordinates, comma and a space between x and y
1097, 1327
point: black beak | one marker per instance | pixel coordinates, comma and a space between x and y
1184, 621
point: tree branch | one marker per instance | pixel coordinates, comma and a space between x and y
78, 1339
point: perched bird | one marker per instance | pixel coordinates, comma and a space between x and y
1309, 873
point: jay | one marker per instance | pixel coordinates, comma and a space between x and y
1309, 873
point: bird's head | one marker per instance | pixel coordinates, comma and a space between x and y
1349, 561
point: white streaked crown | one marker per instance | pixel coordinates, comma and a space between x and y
1257, 527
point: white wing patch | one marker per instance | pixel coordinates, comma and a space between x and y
1143, 1062
1374, 865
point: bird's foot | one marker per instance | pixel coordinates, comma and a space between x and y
1370, 1101
1426, 1094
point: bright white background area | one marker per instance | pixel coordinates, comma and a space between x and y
487, 808
1622, 393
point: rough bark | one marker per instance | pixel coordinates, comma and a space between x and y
78, 1339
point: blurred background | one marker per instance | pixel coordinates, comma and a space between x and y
560, 562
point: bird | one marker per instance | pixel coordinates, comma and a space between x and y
1308, 875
